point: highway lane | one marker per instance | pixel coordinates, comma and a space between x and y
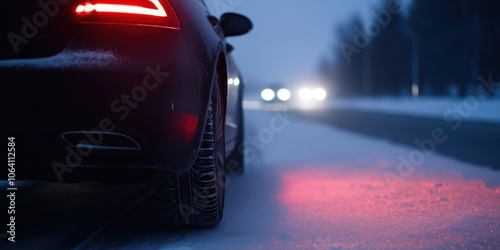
471, 141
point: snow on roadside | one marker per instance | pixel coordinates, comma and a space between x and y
488, 110
340, 190
434, 107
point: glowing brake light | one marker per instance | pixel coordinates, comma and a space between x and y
122, 8
143, 12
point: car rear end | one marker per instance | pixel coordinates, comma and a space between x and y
88, 84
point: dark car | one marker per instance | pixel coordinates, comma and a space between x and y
99, 89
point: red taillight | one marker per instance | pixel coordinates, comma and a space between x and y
143, 12
123, 9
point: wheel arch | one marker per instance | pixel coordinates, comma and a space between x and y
221, 69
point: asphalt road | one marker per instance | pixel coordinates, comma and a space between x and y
308, 185
470, 141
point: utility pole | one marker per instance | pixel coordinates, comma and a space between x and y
367, 71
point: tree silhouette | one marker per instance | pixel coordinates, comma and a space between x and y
457, 41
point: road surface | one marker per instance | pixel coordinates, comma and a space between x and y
310, 183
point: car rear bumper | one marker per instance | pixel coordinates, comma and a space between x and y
137, 100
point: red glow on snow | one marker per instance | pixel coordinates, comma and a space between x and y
123, 9
361, 210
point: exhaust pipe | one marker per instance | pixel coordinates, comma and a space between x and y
104, 141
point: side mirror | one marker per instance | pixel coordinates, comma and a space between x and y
229, 48
233, 24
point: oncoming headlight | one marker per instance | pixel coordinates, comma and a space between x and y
284, 94
267, 94
319, 94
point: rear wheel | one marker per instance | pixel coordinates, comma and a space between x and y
197, 196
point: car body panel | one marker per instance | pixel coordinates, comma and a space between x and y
148, 83
234, 100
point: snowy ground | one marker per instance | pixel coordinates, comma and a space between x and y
487, 110
334, 190
310, 186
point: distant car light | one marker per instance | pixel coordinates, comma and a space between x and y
319, 94
236, 81
306, 94
230, 81
284, 94
267, 94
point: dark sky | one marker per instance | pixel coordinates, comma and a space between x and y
289, 36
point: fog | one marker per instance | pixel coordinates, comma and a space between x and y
289, 36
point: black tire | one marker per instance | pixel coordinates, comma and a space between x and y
196, 198
235, 164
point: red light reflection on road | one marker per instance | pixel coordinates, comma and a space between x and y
360, 210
